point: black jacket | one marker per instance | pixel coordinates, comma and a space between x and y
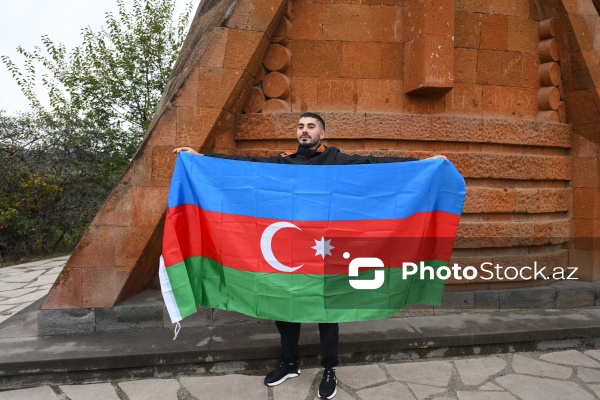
321, 156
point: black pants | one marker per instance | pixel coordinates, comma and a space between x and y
290, 334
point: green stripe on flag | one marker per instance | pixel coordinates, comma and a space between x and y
297, 297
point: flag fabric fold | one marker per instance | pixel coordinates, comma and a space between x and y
276, 241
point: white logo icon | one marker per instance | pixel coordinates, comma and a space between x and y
365, 262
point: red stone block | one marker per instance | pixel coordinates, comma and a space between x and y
429, 65
277, 58
456, 129
501, 68
316, 58
258, 145
583, 202
417, 127
116, 210
465, 65
96, 248
548, 51
583, 148
361, 60
187, 127
216, 86
423, 105
165, 130
257, 15
308, 21
286, 125
474, 6
549, 74
214, 55
522, 34
240, 92
584, 29
149, 205
550, 135
429, 17
559, 168
530, 71
283, 29
468, 30
163, 161
379, 95
66, 291
549, 200
548, 98
106, 293
548, 116
336, 94
546, 29
260, 74
384, 126
527, 201
254, 126
516, 102
494, 32
224, 143
581, 108
276, 85
476, 200
276, 105
346, 126
517, 8
346, 22
131, 243
464, 99
244, 50
304, 94
186, 95
587, 263
392, 61
387, 23
585, 172
255, 101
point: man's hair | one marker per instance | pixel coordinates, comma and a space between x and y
315, 116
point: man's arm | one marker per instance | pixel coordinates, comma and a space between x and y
273, 159
358, 159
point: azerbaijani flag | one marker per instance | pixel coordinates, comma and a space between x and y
306, 243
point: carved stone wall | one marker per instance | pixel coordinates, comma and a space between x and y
509, 90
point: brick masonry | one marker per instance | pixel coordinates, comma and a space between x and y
518, 113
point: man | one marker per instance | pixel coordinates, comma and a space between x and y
310, 151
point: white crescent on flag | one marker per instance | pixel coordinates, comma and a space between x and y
266, 246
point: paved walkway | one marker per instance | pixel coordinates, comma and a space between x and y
21, 285
560, 375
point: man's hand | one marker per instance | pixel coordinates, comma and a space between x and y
185, 149
437, 156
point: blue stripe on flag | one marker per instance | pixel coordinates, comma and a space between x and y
317, 193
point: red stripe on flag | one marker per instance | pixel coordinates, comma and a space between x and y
235, 241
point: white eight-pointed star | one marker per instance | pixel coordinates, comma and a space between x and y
323, 247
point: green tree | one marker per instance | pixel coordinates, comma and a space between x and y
64, 158
112, 82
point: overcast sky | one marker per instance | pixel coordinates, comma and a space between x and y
23, 22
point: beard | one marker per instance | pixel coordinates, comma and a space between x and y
307, 144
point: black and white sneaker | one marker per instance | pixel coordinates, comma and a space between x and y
328, 386
283, 372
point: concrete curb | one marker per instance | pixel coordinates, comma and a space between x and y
147, 311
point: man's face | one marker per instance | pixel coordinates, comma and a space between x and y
309, 133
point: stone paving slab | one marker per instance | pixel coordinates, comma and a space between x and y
226, 387
104, 391
149, 389
38, 393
